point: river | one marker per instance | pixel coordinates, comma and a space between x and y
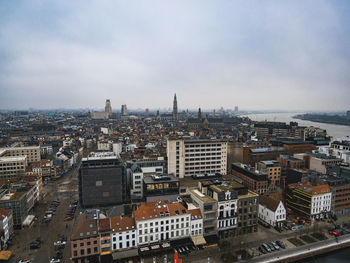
339, 256
336, 131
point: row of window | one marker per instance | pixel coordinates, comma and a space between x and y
155, 230
167, 235
203, 150
82, 251
156, 223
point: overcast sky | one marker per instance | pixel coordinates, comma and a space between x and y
290, 55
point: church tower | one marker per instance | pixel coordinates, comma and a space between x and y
175, 116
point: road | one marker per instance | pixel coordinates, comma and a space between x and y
314, 247
64, 189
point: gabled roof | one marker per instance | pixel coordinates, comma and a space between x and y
269, 202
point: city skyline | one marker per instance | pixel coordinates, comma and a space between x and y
260, 56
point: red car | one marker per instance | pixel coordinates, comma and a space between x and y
68, 218
334, 233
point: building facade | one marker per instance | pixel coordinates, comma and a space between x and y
160, 221
192, 157
102, 180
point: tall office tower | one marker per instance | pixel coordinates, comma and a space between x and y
102, 180
124, 110
108, 108
199, 114
236, 108
187, 157
175, 116
147, 112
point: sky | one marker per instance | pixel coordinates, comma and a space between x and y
258, 55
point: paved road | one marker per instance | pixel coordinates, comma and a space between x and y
285, 254
64, 189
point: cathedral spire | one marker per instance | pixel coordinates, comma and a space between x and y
175, 116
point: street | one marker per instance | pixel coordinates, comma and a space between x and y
64, 189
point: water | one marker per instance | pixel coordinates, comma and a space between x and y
339, 256
336, 131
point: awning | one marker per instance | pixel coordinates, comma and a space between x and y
198, 240
125, 254
5, 254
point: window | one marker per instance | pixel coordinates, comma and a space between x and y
82, 251
89, 251
75, 253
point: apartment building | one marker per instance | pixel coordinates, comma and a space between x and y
32, 153
309, 200
256, 181
11, 168
160, 221
273, 170
187, 157
227, 202
136, 191
85, 239
208, 207
118, 238
320, 162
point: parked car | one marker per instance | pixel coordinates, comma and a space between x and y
68, 218
271, 246
25, 260
280, 243
34, 245
275, 246
267, 248
262, 250
334, 233
54, 260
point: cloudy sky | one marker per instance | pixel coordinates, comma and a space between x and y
291, 55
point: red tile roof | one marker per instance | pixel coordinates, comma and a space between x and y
158, 209
195, 214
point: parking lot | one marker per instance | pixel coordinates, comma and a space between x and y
48, 229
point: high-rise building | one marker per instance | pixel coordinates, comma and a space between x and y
236, 108
108, 108
175, 116
187, 157
124, 110
102, 180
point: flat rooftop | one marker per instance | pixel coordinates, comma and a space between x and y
202, 197
250, 194
153, 179
101, 156
231, 186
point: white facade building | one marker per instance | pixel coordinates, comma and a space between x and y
137, 182
124, 234
320, 204
187, 157
272, 211
160, 221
